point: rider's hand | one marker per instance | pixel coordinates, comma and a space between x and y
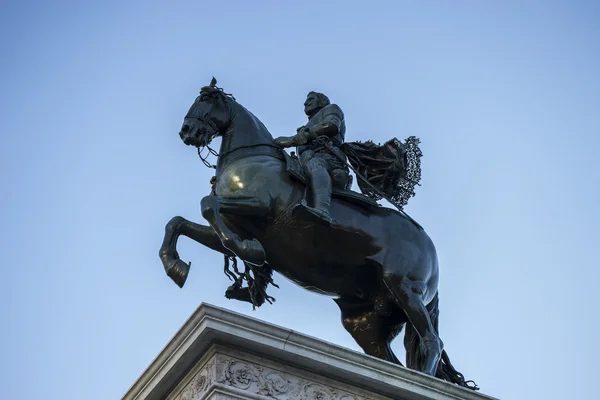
301, 138
306, 135
285, 141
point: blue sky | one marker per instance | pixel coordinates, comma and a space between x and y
503, 94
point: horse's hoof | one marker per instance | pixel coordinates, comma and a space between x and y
253, 252
178, 272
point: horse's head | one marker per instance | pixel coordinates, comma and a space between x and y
208, 117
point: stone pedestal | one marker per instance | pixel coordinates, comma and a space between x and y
218, 354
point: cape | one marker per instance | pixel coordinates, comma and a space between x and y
389, 171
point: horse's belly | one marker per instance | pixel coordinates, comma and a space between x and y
332, 262
328, 280
315, 284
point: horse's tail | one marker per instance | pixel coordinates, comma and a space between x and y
415, 356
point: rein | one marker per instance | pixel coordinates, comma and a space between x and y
226, 153
205, 159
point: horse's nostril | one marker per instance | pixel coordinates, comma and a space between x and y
185, 128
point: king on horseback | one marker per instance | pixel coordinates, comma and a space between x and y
376, 263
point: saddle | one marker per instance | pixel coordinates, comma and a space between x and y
340, 185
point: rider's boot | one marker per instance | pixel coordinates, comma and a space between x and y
321, 187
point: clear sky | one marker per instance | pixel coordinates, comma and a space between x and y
505, 96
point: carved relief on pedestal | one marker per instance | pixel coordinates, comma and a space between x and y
275, 384
199, 384
225, 371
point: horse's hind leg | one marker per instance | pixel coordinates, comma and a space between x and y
408, 294
372, 331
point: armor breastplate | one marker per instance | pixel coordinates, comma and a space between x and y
318, 118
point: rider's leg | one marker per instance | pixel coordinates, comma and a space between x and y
320, 183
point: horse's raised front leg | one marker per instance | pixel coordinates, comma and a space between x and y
175, 268
212, 207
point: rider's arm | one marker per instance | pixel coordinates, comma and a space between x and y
330, 126
301, 138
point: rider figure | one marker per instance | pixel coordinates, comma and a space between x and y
325, 121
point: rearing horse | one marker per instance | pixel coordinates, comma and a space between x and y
379, 266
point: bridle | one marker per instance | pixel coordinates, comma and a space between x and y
212, 125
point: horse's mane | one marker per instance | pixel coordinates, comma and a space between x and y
213, 89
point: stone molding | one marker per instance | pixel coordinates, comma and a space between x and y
211, 328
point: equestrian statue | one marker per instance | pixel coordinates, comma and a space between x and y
295, 213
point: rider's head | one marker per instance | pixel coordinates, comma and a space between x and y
314, 102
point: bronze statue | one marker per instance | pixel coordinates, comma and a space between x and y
377, 263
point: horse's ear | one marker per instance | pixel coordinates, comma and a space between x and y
213, 82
